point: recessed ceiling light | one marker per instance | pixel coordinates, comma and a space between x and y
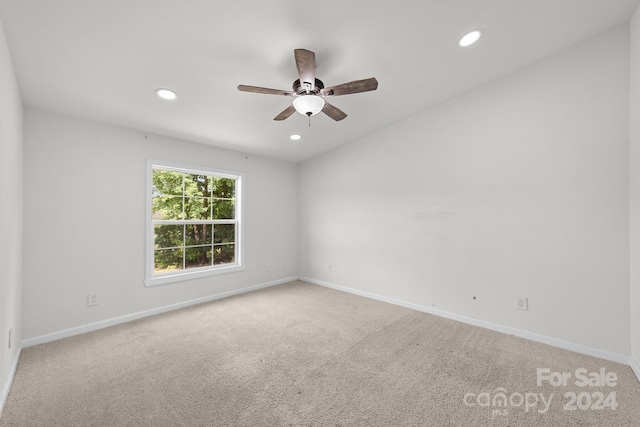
470, 38
295, 137
167, 94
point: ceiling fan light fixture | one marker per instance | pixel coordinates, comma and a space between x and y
470, 38
308, 105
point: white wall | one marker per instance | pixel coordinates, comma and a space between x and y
516, 189
85, 221
634, 189
11, 165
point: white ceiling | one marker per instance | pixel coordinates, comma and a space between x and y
102, 60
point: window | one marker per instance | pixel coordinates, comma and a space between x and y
194, 222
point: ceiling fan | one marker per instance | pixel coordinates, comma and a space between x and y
309, 92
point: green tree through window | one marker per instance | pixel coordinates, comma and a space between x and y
195, 220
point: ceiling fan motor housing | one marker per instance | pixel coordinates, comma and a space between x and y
305, 89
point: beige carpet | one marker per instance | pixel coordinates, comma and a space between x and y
303, 355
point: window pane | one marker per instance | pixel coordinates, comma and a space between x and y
167, 260
224, 233
198, 257
224, 254
197, 185
223, 209
167, 207
168, 236
197, 208
198, 234
167, 183
224, 188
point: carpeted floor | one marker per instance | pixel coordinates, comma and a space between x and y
303, 355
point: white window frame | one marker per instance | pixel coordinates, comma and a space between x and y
153, 279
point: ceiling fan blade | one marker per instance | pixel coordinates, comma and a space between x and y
334, 112
306, 63
356, 86
256, 89
285, 114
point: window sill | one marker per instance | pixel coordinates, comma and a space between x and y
191, 275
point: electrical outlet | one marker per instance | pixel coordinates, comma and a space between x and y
267, 268
329, 267
92, 299
523, 303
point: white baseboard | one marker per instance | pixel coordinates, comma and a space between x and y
141, 314
555, 342
6, 387
635, 367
